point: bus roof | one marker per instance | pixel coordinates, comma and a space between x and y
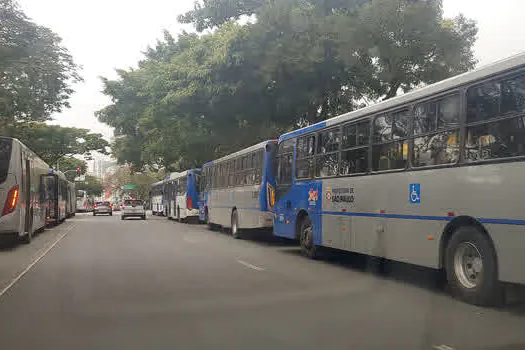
441, 86
241, 152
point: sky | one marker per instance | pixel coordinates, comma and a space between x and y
103, 35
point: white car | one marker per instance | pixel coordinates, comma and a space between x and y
133, 208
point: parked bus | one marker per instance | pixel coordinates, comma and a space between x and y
182, 195
22, 193
432, 177
71, 204
157, 197
84, 203
57, 192
240, 189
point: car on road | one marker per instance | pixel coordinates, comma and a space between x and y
133, 208
102, 208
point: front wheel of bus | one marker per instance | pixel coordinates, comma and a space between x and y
471, 267
235, 225
306, 237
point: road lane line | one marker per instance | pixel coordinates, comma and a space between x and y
30, 266
442, 347
256, 268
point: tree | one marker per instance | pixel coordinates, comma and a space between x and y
53, 142
141, 180
92, 185
71, 163
35, 69
198, 97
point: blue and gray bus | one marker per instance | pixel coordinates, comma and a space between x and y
433, 177
238, 189
182, 195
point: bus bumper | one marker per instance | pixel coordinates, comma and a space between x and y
266, 219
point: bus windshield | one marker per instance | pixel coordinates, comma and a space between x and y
5, 156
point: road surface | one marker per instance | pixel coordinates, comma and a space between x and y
103, 283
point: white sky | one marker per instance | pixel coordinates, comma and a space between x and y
106, 34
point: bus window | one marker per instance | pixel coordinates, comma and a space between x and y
388, 154
433, 146
503, 138
305, 161
5, 157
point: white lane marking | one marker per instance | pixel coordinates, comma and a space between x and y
30, 266
442, 347
256, 268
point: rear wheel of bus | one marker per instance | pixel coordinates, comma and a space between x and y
471, 267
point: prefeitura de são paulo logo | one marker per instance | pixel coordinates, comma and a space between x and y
313, 195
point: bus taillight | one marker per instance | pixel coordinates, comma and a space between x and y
11, 201
189, 202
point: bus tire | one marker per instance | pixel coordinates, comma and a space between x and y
471, 267
306, 239
235, 231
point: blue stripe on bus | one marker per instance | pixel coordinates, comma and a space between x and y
305, 130
425, 217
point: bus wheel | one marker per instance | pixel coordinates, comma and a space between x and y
178, 214
306, 237
235, 225
471, 268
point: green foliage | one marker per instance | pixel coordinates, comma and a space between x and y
53, 142
92, 185
142, 181
197, 97
35, 70
71, 163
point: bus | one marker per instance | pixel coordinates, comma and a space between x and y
432, 177
22, 192
71, 203
182, 195
56, 197
157, 197
240, 189
84, 203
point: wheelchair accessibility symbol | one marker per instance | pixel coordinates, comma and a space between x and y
415, 193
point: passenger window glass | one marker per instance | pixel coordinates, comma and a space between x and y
382, 129
390, 156
436, 149
305, 168
354, 161
500, 139
496, 98
401, 123
363, 130
305, 146
327, 165
328, 141
349, 136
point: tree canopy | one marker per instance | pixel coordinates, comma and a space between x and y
36, 71
92, 185
53, 142
265, 67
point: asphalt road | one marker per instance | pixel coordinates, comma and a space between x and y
157, 284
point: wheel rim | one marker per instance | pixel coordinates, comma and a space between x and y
468, 265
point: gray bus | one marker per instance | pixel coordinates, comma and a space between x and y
432, 177
23, 178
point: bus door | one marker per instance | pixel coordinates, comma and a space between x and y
28, 194
285, 213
